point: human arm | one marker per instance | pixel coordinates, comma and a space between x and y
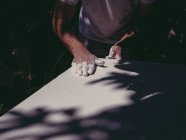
145, 11
83, 62
61, 22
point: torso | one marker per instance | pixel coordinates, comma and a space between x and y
107, 20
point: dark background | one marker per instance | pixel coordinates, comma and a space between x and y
31, 55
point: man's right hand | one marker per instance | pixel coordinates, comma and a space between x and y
84, 63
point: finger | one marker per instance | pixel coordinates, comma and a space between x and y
85, 69
91, 68
111, 54
99, 62
118, 57
79, 69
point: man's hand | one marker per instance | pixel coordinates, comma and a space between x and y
115, 51
84, 63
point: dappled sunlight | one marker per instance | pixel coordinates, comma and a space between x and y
131, 101
146, 79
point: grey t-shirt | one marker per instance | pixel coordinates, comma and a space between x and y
107, 20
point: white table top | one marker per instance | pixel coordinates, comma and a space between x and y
102, 106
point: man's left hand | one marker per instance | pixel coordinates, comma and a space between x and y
115, 51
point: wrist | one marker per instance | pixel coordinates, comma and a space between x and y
79, 50
73, 44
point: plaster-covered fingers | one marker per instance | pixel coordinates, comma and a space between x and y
118, 57
85, 69
99, 62
111, 54
79, 69
91, 68
115, 53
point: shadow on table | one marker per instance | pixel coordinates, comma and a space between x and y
158, 111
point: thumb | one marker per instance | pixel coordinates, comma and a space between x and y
118, 57
99, 62
115, 53
111, 53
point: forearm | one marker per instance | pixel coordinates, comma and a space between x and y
72, 43
62, 27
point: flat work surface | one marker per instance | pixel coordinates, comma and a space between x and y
131, 101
